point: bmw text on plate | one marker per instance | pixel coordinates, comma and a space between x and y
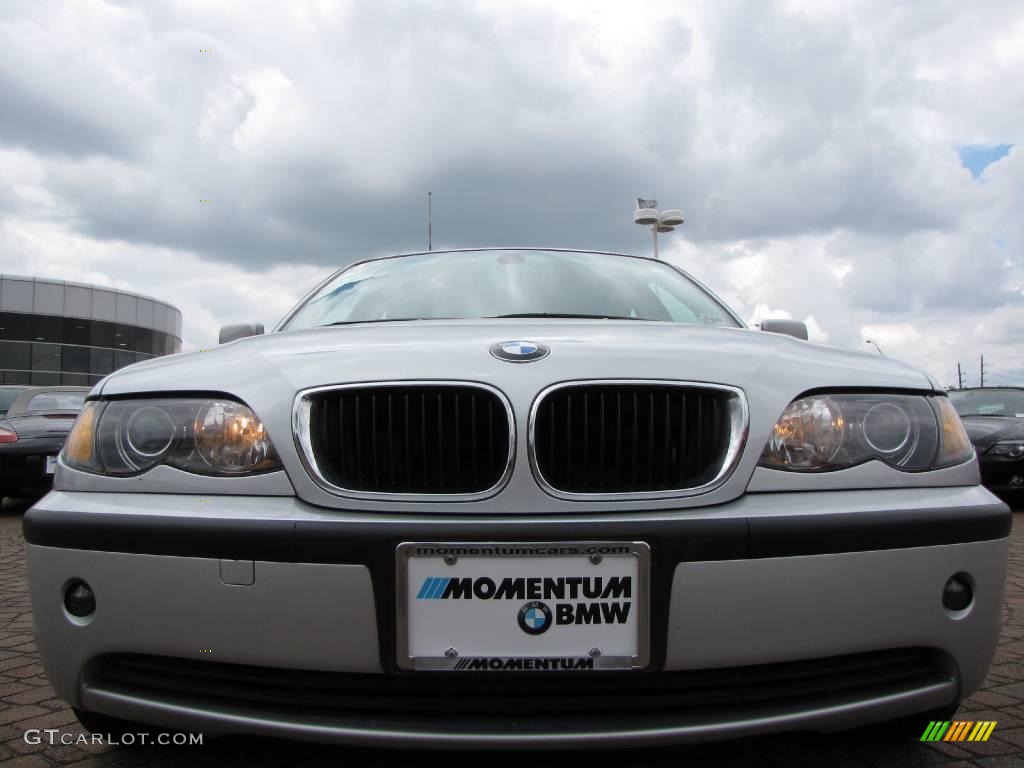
516, 498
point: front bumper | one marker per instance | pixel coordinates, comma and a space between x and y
766, 580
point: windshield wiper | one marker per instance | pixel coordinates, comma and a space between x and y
387, 320
555, 315
568, 315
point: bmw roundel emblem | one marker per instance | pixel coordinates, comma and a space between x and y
534, 618
519, 351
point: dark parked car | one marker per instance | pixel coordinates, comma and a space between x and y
994, 418
32, 432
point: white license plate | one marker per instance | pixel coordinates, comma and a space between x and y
523, 606
51, 464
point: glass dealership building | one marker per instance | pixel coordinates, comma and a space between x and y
57, 332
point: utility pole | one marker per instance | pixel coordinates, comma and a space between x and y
959, 377
430, 223
982, 369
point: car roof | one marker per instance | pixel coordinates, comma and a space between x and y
19, 406
514, 248
491, 249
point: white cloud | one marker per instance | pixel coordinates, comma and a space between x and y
812, 145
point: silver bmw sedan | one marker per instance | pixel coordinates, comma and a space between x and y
513, 498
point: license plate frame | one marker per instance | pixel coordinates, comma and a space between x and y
482, 550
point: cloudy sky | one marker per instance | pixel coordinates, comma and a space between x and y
858, 165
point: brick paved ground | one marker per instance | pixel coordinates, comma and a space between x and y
26, 701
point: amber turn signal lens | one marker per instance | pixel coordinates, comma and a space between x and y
955, 446
80, 450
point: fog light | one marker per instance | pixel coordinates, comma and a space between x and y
957, 594
79, 599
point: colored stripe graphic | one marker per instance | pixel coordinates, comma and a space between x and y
425, 589
982, 731
439, 586
958, 730
935, 731
433, 588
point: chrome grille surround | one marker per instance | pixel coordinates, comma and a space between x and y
301, 415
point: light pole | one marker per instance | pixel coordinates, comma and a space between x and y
648, 215
872, 341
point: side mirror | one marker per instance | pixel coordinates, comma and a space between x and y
233, 332
792, 328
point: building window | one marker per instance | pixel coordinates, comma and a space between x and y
124, 337
15, 354
77, 330
15, 326
47, 328
101, 361
75, 360
101, 334
45, 379
46, 357
144, 340
123, 358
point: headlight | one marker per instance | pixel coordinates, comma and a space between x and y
1013, 449
819, 433
205, 436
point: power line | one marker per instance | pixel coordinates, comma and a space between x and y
1016, 372
990, 374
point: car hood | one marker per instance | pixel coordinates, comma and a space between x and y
460, 349
985, 431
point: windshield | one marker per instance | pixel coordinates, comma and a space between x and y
988, 402
56, 401
478, 284
8, 396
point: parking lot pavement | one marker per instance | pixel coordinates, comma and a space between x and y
27, 702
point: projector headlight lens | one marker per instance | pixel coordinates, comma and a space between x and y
149, 432
820, 433
886, 428
200, 435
